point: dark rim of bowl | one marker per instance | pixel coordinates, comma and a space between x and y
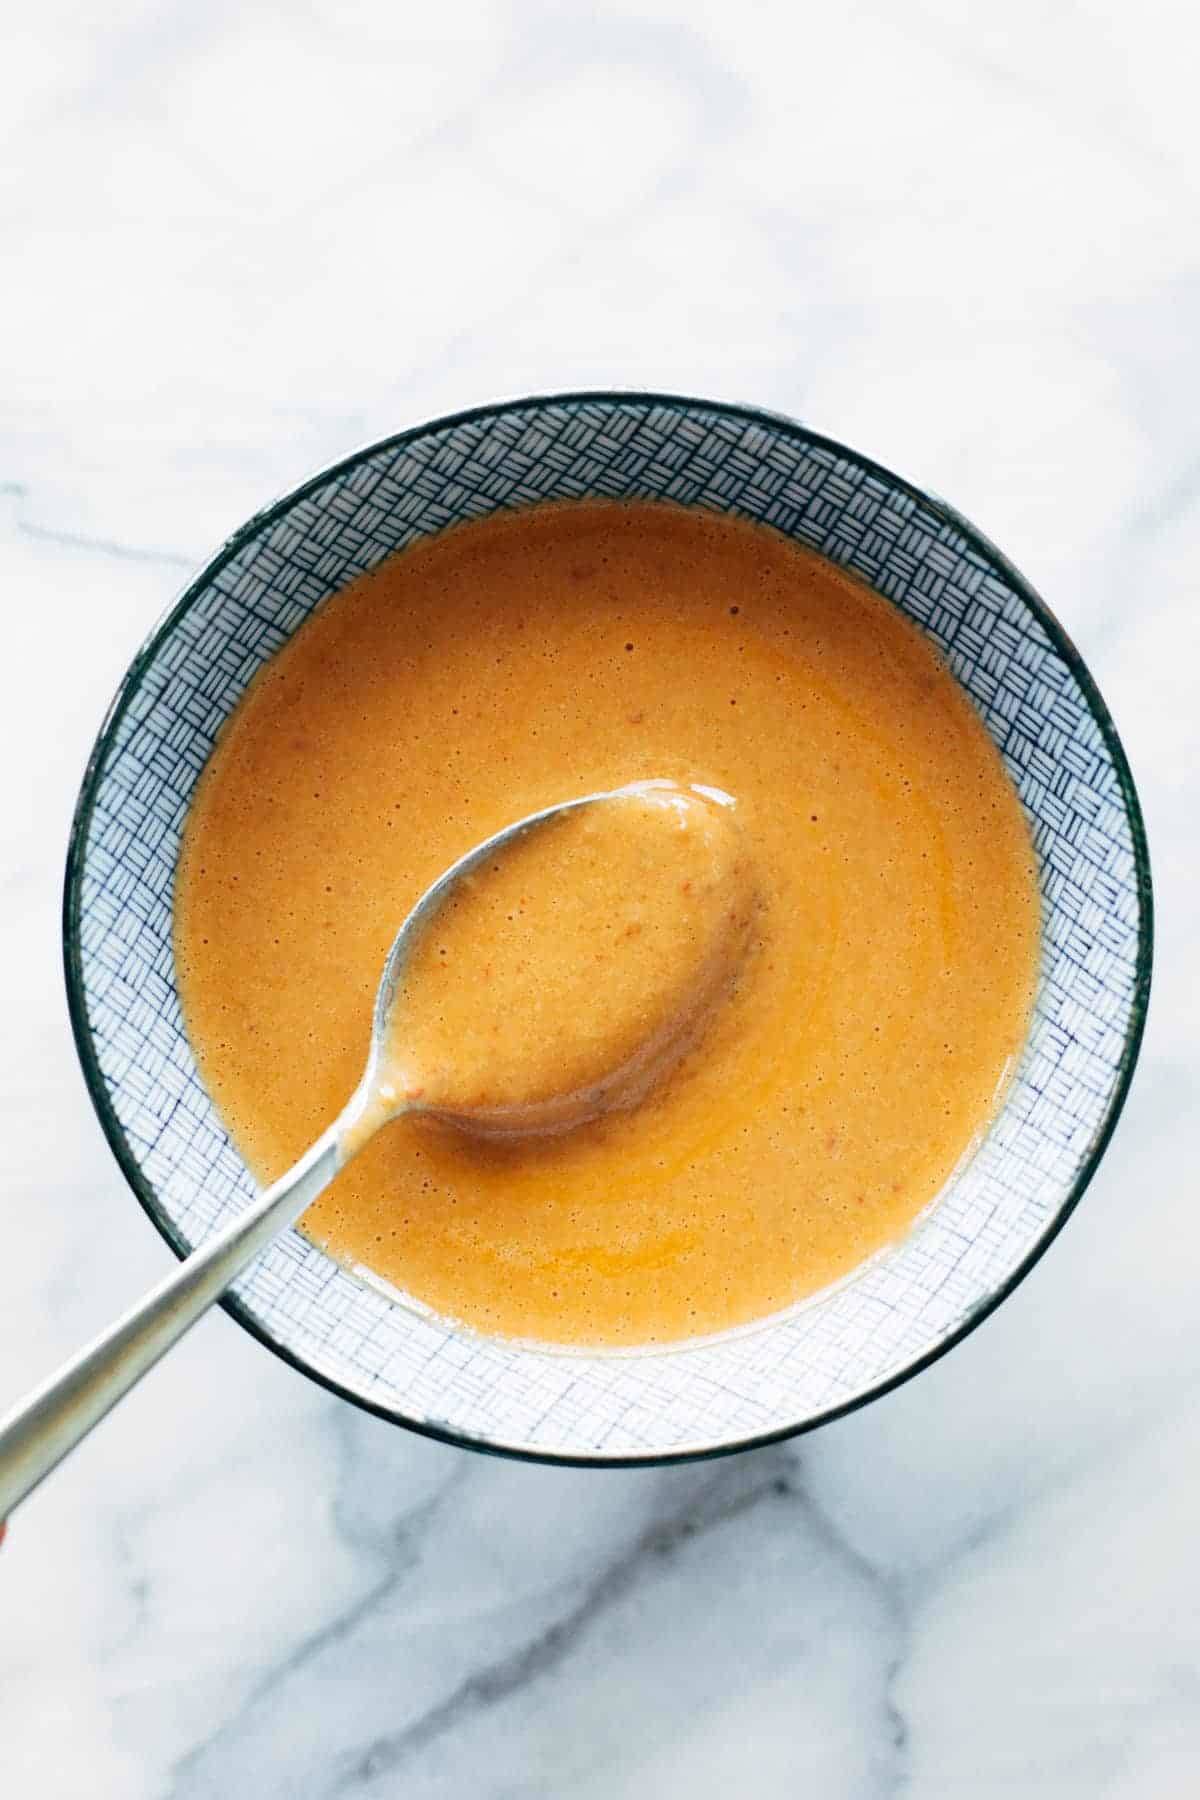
776, 422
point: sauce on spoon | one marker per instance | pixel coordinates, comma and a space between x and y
564, 977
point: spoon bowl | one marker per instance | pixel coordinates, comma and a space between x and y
535, 987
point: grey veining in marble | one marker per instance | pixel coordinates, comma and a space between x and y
240, 242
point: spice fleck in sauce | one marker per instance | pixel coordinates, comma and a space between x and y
813, 1073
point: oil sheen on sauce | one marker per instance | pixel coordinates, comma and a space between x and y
884, 968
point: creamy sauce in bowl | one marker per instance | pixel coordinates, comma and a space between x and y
815, 1080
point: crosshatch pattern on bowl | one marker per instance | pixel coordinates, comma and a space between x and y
902, 1306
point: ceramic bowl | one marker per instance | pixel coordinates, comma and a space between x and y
910, 1303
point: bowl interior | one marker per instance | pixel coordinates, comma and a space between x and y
1038, 703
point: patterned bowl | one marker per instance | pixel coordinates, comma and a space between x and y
902, 1309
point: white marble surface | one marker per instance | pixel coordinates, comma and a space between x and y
240, 242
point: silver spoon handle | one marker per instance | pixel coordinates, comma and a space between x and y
40, 1430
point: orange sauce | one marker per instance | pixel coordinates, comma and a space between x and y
882, 989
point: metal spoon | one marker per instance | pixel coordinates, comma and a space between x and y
41, 1429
